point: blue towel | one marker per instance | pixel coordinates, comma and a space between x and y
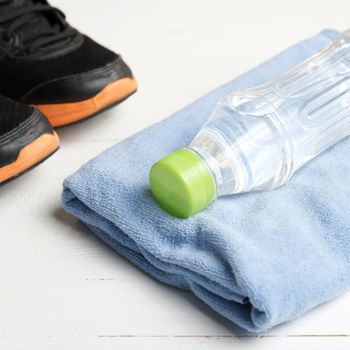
258, 259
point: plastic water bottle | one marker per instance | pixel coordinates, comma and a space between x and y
256, 139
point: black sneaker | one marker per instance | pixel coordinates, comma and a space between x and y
26, 138
45, 62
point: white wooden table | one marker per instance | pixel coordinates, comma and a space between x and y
60, 288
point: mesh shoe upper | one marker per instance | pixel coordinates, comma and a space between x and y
21, 71
12, 114
18, 76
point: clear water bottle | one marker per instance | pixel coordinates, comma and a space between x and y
256, 139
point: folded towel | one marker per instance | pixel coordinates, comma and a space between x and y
258, 259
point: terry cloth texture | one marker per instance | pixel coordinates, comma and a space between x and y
259, 259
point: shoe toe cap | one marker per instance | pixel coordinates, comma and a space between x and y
78, 87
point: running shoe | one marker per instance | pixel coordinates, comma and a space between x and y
26, 139
67, 75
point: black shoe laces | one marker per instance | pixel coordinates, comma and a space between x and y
16, 38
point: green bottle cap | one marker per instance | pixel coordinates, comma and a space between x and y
182, 183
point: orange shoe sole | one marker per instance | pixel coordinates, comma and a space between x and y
67, 113
30, 156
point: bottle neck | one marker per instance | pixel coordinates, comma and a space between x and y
230, 176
